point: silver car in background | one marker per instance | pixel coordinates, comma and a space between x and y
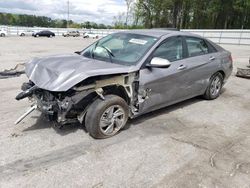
27, 32
71, 34
124, 75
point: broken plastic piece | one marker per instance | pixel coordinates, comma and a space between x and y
25, 114
16, 71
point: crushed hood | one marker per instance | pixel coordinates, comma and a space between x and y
62, 72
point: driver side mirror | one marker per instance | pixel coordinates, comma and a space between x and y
158, 62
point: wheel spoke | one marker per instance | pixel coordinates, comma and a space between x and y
110, 112
216, 82
212, 91
118, 122
118, 113
104, 122
110, 128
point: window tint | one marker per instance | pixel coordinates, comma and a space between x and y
212, 49
196, 47
171, 50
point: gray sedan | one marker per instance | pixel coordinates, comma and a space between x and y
124, 75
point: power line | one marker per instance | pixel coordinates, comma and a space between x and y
68, 15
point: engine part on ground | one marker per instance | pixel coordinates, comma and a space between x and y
244, 72
14, 72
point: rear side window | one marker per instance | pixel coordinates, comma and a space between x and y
171, 49
196, 47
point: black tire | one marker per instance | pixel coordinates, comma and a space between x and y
96, 111
209, 95
2, 35
22, 34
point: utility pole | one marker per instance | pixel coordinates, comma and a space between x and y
68, 15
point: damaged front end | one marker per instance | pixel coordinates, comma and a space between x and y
72, 105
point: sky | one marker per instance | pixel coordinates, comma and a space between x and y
99, 11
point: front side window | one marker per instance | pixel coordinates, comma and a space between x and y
120, 48
171, 49
196, 47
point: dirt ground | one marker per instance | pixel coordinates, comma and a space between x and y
196, 143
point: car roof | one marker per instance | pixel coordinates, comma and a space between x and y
159, 32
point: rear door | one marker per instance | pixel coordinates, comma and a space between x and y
200, 62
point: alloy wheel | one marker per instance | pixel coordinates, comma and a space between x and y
215, 86
112, 120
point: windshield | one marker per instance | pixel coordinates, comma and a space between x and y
120, 48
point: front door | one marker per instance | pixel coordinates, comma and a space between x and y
164, 85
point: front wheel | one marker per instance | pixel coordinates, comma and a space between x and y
105, 118
214, 88
2, 35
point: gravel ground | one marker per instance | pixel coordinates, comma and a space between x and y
196, 143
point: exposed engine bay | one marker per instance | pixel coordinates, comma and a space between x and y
72, 105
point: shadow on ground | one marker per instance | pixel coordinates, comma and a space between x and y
162, 111
43, 123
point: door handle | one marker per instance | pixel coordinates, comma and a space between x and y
211, 58
181, 67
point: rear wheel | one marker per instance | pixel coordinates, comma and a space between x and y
22, 34
2, 35
105, 118
214, 87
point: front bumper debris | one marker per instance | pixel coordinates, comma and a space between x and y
27, 93
25, 114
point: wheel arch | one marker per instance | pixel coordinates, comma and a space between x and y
118, 90
86, 102
219, 71
222, 72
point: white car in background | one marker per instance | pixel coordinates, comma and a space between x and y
3, 32
90, 35
23, 33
